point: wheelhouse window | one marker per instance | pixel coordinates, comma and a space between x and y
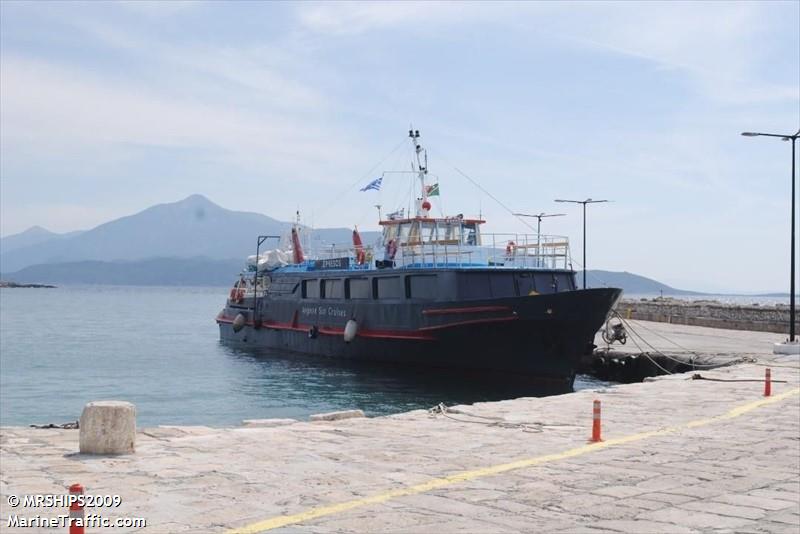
428, 233
453, 232
404, 232
390, 232
389, 287
359, 288
470, 234
310, 289
422, 286
333, 288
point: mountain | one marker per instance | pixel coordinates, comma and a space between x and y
193, 227
32, 236
630, 283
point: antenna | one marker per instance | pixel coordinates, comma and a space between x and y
423, 204
539, 218
379, 211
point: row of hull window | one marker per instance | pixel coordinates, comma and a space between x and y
470, 286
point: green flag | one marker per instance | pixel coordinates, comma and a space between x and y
432, 190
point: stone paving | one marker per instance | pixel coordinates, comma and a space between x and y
425, 472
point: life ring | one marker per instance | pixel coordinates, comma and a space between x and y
313, 332
391, 249
510, 248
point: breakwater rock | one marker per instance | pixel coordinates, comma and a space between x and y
708, 313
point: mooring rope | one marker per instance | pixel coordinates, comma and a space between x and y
692, 362
698, 376
442, 409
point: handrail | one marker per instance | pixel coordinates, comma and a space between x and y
509, 251
505, 250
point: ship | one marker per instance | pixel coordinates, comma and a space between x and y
433, 292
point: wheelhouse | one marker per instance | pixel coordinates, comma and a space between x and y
452, 231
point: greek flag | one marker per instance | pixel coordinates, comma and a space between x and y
374, 184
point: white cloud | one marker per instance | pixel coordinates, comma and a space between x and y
718, 45
715, 43
63, 109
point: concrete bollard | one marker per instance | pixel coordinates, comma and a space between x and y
108, 427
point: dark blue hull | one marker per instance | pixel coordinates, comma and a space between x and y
542, 335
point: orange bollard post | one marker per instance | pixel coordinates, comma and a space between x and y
767, 382
596, 422
76, 517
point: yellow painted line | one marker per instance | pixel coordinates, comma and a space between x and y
436, 483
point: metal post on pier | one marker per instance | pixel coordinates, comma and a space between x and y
584, 202
792, 311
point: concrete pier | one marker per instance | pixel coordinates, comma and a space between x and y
679, 455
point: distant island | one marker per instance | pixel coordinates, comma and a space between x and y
4, 284
150, 272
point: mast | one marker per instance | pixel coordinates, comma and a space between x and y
423, 204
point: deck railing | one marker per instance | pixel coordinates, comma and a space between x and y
508, 251
496, 250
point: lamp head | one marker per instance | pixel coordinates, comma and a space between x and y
750, 134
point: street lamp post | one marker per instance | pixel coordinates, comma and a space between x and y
792, 342
584, 202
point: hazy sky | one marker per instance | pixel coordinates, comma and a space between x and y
108, 108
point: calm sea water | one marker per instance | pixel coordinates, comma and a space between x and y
159, 348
